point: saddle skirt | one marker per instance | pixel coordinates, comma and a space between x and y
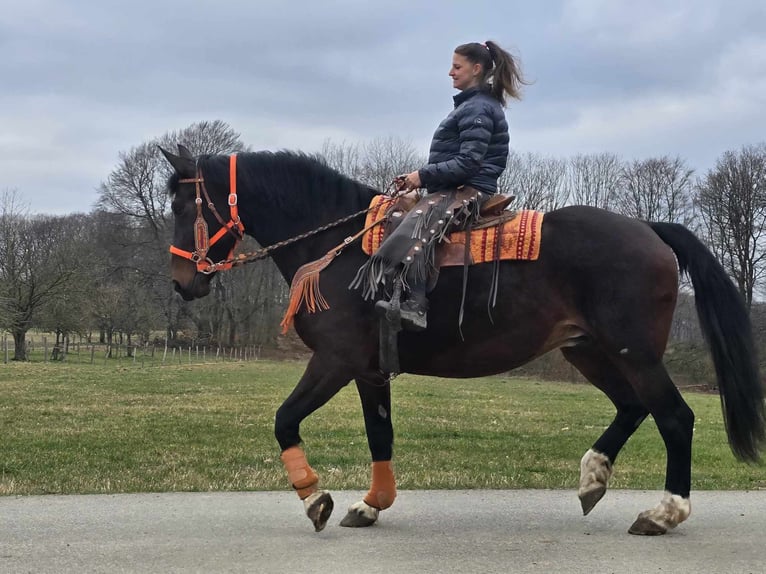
508, 236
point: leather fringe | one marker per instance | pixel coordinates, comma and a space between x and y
304, 290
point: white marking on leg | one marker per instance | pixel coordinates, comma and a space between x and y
311, 499
595, 472
365, 510
670, 512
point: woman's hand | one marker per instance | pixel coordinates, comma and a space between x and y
411, 181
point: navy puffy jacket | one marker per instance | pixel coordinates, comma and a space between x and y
470, 147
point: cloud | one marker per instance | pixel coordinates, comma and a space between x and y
84, 80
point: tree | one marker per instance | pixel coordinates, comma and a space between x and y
67, 311
386, 158
594, 179
732, 200
536, 181
343, 157
375, 163
39, 260
657, 189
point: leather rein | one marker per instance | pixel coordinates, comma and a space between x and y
203, 242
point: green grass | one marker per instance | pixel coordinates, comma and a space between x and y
67, 428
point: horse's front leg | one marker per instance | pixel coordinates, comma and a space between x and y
375, 394
319, 383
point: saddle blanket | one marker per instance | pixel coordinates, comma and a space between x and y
517, 238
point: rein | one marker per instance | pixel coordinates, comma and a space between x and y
203, 242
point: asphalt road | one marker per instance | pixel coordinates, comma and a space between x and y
425, 531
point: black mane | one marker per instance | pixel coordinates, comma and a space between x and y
291, 181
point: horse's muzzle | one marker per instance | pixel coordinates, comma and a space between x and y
198, 288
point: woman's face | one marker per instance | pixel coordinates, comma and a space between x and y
464, 74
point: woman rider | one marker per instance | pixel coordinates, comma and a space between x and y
468, 153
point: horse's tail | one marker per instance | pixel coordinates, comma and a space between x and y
726, 327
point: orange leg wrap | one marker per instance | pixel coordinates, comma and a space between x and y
302, 477
383, 489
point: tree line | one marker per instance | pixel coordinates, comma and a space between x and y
105, 274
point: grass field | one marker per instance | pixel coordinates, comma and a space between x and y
69, 428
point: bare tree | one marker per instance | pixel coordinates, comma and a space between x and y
594, 179
343, 157
385, 158
206, 137
537, 182
657, 189
374, 163
38, 261
732, 200
136, 188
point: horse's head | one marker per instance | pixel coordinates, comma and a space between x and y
197, 207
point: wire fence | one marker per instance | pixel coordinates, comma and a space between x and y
148, 354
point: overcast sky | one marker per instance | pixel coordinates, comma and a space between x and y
81, 80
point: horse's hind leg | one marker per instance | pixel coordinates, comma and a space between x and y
596, 464
319, 383
375, 394
675, 421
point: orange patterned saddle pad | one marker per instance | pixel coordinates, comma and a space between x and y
518, 238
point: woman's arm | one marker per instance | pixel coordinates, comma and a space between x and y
475, 133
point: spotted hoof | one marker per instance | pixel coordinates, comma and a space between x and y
588, 500
360, 515
644, 526
595, 472
319, 508
672, 510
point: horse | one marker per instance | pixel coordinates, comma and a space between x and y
603, 291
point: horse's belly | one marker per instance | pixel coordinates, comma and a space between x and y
497, 354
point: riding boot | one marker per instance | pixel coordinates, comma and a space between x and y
415, 308
412, 310
413, 315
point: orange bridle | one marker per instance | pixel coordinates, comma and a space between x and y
202, 240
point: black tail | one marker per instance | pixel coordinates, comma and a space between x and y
726, 328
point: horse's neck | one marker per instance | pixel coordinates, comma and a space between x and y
275, 225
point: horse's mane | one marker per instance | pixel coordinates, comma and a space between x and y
287, 180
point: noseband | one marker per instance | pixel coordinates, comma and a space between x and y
202, 240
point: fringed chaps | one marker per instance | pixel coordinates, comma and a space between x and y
409, 251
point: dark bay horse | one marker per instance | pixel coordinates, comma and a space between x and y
603, 291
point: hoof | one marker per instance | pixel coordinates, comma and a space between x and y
358, 517
319, 508
644, 526
590, 499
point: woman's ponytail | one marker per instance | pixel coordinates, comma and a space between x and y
507, 78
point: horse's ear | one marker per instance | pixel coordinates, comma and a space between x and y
184, 151
184, 166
